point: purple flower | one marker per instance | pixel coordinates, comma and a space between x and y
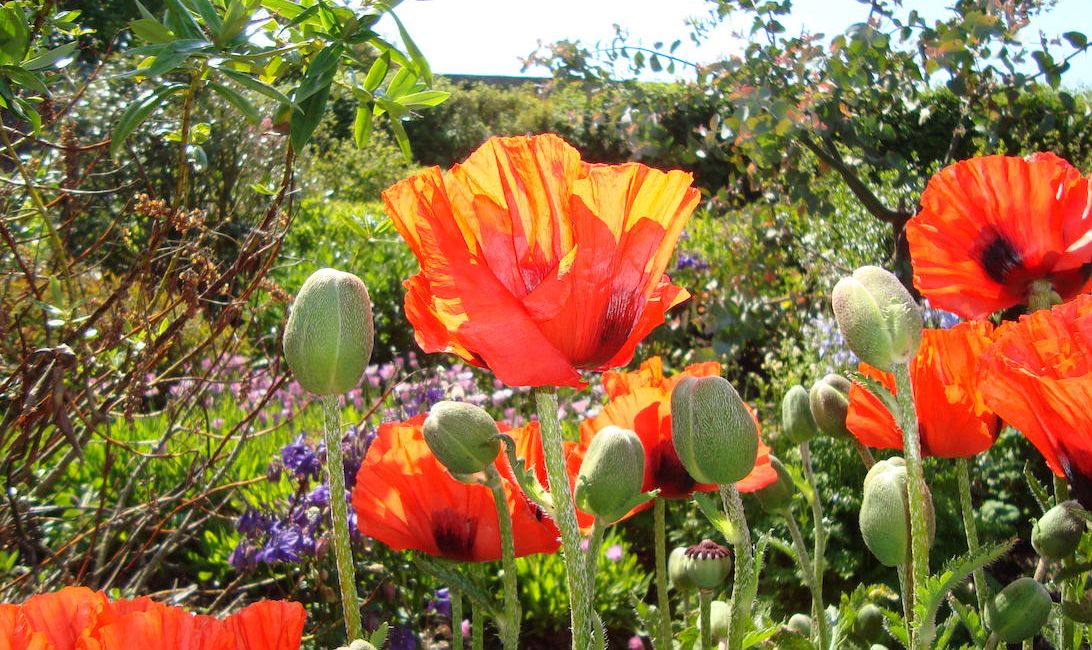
320, 496
614, 553
402, 638
252, 523
243, 557
687, 261
299, 458
442, 604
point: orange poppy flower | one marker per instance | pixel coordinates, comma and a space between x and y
529, 447
406, 499
641, 402
165, 626
1038, 378
989, 227
537, 265
16, 632
66, 617
953, 419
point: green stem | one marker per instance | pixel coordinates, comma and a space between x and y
595, 541
477, 629
509, 627
991, 643
343, 552
906, 588
740, 609
705, 598
916, 491
576, 576
966, 505
808, 570
1041, 295
820, 531
865, 453
659, 508
456, 618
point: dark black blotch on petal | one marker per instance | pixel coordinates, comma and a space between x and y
670, 475
999, 259
454, 534
1080, 483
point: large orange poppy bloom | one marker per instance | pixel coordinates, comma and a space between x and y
989, 227
406, 499
641, 401
953, 419
537, 265
1038, 378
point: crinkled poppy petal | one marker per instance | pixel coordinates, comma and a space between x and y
66, 615
763, 473
164, 626
16, 632
267, 625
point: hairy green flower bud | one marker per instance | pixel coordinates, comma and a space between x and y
885, 512
676, 570
777, 496
829, 401
879, 319
720, 619
801, 624
359, 644
708, 564
877, 646
1058, 532
610, 478
714, 434
462, 437
868, 624
328, 336
1019, 610
797, 422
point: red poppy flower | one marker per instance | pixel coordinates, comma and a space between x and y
65, 617
164, 626
267, 625
16, 632
989, 227
535, 264
641, 401
405, 498
1038, 378
953, 419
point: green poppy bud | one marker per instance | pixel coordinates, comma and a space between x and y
359, 644
328, 336
885, 512
877, 646
776, 497
611, 474
796, 419
868, 624
879, 319
462, 437
676, 570
720, 619
801, 624
714, 434
1019, 611
708, 564
829, 401
1058, 532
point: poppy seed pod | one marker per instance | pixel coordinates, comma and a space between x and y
714, 434
462, 437
801, 624
877, 316
611, 474
829, 401
868, 624
885, 512
708, 564
776, 497
720, 619
676, 570
1058, 532
1019, 610
797, 422
328, 336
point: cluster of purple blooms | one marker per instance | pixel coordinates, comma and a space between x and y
691, 261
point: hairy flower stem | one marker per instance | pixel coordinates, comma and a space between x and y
820, 529
705, 600
906, 588
916, 493
577, 580
343, 553
743, 588
509, 627
659, 508
595, 541
456, 618
866, 455
964, 476
808, 569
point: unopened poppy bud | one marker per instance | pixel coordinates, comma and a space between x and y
777, 496
801, 624
720, 619
714, 434
1058, 532
877, 316
708, 564
676, 570
611, 474
885, 512
462, 437
359, 644
328, 336
868, 624
796, 419
877, 646
1019, 611
829, 401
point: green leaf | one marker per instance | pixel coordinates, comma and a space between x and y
235, 20
14, 34
24, 79
238, 101
419, 62
284, 8
423, 99
151, 30
362, 126
880, 391
1037, 489
402, 82
377, 72
527, 481
957, 570
1076, 39
209, 16
181, 22
49, 57
26, 112
306, 120
1080, 612
710, 507
379, 637
137, 112
250, 82
971, 620
320, 73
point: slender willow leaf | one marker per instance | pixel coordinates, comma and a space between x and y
48, 58
420, 64
137, 112
377, 72
362, 126
306, 120
247, 81
238, 101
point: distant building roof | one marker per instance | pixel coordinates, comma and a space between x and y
496, 80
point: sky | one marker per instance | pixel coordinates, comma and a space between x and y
489, 37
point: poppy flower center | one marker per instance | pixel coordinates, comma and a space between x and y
454, 534
999, 259
670, 475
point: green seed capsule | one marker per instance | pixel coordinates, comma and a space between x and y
829, 402
877, 316
676, 571
801, 624
328, 336
1019, 611
1058, 532
776, 497
714, 434
463, 437
885, 512
868, 624
611, 474
708, 564
797, 422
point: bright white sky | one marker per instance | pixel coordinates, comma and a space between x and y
488, 37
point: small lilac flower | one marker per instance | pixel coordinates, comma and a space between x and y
300, 459
242, 558
614, 553
320, 496
252, 523
464, 627
442, 603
